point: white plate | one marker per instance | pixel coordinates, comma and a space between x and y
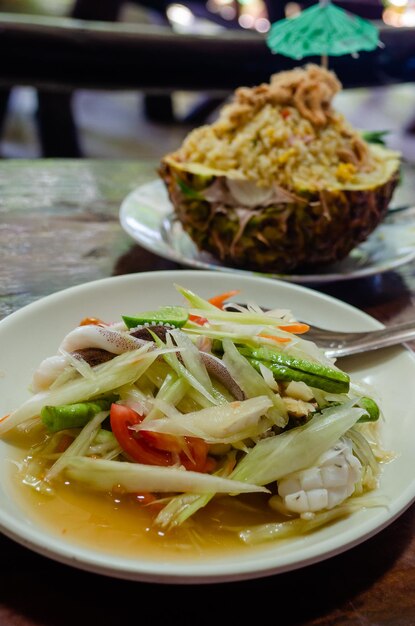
34, 332
146, 215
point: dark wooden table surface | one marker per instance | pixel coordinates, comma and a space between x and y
59, 227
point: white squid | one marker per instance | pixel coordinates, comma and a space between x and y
93, 336
89, 336
324, 485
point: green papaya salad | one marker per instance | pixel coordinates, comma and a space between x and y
184, 404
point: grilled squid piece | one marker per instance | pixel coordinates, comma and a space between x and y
324, 485
216, 368
94, 344
213, 365
92, 336
47, 372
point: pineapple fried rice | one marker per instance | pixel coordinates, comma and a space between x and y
280, 181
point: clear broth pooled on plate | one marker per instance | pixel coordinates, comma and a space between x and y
118, 525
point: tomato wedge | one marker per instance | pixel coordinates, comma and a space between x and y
196, 458
192, 451
168, 443
92, 321
121, 419
154, 448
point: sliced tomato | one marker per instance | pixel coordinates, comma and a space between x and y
169, 443
194, 456
121, 419
92, 321
154, 448
192, 451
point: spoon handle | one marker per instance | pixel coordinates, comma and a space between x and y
372, 340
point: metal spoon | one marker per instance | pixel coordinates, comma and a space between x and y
337, 343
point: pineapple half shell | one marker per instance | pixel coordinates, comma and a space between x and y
276, 231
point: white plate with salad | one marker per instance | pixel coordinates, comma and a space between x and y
146, 214
174, 438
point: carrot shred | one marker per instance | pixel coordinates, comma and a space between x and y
297, 328
275, 338
4, 417
217, 301
198, 320
222, 297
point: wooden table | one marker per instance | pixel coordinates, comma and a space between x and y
59, 227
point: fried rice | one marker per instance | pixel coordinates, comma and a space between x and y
286, 133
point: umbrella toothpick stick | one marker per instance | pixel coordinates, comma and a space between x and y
322, 30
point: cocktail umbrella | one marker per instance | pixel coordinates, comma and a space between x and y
322, 30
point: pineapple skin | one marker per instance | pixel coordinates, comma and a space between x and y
317, 230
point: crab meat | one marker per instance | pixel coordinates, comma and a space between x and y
324, 485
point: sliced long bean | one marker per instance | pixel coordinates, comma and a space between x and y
75, 415
286, 374
287, 367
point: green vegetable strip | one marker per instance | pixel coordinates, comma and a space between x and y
172, 391
299, 526
195, 300
183, 373
298, 448
191, 358
184, 505
102, 475
252, 382
281, 358
284, 373
180, 508
334, 380
76, 415
372, 410
363, 450
79, 445
121, 370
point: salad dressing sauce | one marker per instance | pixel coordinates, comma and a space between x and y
121, 526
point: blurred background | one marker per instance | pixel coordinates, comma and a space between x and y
120, 80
